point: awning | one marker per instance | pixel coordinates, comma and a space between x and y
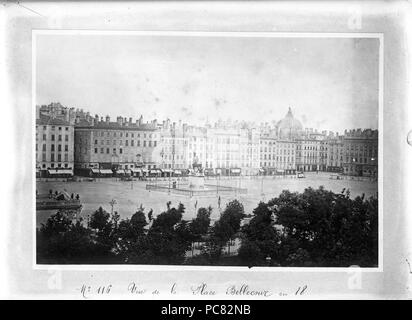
66, 171
261, 170
167, 170
56, 172
120, 171
280, 170
235, 170
154, 171
106, 171
136, 170
93, 170
178, 172
127, 171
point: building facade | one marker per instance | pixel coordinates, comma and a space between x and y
54, 146
68, 138
117, 146
360, 148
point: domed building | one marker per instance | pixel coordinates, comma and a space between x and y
289, 127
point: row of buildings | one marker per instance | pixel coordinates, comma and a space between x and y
71, 141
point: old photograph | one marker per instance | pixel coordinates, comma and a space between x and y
227, 149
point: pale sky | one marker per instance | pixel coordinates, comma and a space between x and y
330, 83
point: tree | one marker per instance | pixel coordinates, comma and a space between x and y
326, 228
261, 234
62, 240
130, 234
166, 242
224, 230
200, 225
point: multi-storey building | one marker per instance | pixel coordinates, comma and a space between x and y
360, 148
234, 149
173, 145
229, 148
54, 146
334, 153
118, 146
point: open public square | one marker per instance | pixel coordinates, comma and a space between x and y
130, 195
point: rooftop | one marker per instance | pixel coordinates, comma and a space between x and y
48, 120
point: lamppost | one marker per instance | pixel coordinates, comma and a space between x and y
112, 203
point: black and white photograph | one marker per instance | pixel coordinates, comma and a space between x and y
209, 149
195, 150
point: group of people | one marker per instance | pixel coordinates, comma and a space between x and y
56, 193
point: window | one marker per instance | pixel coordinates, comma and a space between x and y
44, 147
127, 142
44, 137
60, 137
101, 150
67, 128
52, 157
144, 143
66, 165
60, 128
66, 137
138, 143
52, 147
132, 143
59, 147
66, 157
121, 150
59, 157
150, 143
44, 128
52, 137
107, 150
95, 150
95, 142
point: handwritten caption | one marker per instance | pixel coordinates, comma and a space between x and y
200, 289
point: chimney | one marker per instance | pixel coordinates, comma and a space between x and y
119, 121
140, 120
130, 120
92, 121
107, 119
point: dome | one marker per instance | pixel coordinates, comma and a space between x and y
289, 127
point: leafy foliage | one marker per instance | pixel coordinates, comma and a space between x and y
313, 228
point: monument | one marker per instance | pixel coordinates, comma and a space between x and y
196, 177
